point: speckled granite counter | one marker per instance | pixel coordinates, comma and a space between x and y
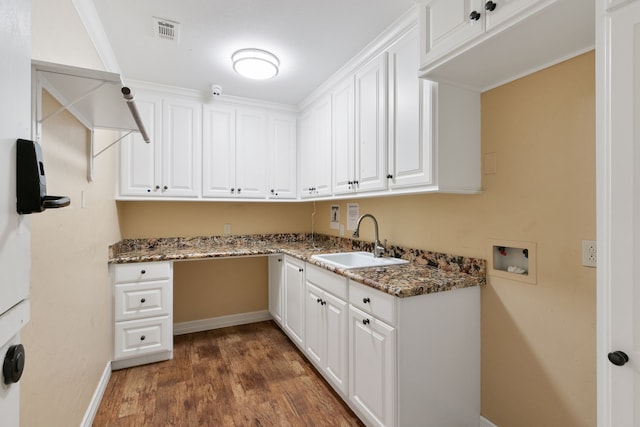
427, 272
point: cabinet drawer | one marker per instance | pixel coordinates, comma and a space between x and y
328, 281
141, 271
372, 301
140, 337
140, 300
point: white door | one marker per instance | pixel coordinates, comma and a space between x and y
294, 299
181, 148
343, 137
282, 156
446, 25
322, 156
371, 125
275, 287
409, 152
307, 152
315, 346
139, 161
500, 11
618, 204
372, 367
218, 150
251, 153
337, 342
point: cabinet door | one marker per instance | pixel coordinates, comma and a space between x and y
371, 129
445, 25
307, 152
315, 144
372, 364
139, 161
218, 150
335, 363
294, 299
343, 140
322, 152
181, 147
282, 156
315, 338
251, 153
409, 145
276, 287
509, 10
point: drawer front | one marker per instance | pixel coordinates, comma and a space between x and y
142, 300
328, 281
373, 301
141, 337
142, 271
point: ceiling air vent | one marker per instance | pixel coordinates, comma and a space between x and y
166, 29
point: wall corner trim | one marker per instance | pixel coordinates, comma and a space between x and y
94, 404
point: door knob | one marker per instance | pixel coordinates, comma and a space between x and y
474, 16
618, 358
490, 6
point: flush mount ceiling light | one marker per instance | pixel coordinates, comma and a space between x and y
255, 64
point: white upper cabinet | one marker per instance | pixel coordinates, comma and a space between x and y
410, 155
315, 147
343, 137
282, 156
371, 125
181, 147
447, 24
251, 153
234, 152
140, 170
481, 44
170, 165
218, 150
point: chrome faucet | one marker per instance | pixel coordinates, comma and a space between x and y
377, 249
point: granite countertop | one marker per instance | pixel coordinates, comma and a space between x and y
427, 272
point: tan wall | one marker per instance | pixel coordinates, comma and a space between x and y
187, 219
214, 288
538, 341
68, 340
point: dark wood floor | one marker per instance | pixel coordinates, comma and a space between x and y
249, 375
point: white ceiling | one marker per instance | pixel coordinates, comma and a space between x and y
312, 39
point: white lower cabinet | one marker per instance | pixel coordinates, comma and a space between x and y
326, 342
372, 363
294, 299
143, 305
395, 361
276, 287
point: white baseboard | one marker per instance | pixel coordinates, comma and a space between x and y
486, 423
92, 410
220, 322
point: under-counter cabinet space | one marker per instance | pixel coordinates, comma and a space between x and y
326, 343
170, 165
143, 313
234, 152
415, 361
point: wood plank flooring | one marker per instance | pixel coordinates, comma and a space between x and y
249, 375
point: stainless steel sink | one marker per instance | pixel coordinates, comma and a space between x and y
348, 260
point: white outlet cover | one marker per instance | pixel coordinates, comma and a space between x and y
589, 253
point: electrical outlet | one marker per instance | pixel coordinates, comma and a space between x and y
227, 229
589, 253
